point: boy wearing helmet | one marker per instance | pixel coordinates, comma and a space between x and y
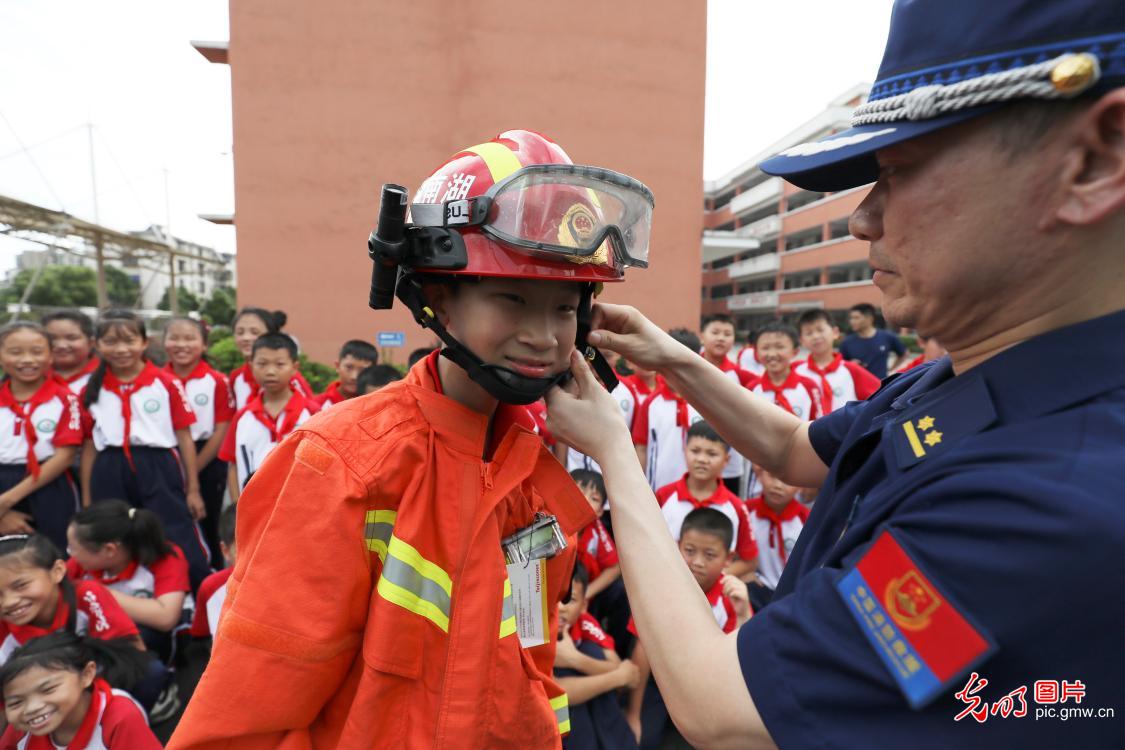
400, 556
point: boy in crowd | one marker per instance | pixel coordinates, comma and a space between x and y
776, 344
605, 593
705, 454
776, 518
840, 380
375, 377
355, 356
717, 339
213, 590
706, 540
271, 414
869, 346
588, 668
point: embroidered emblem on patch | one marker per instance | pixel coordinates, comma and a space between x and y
923, 638
46, 425
202, 399
152, 406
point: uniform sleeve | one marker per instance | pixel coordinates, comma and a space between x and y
182, 415
640, 422
223, 399
69, 430
607, 551
107, 619
299, 384
200, 628
171, 574
10, 739
746, 545
73, 570
123, 726
274, 665
865, 383
827, 433
816, 399
664, 493
229, 449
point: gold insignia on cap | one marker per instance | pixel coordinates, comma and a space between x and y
1075, 73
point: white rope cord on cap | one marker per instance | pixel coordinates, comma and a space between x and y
924, 102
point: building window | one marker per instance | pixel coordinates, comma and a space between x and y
722, 263
803, 198
721, 291
802, 279
849, 273
804, 238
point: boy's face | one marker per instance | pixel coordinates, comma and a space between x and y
593, 496
348, 370
717, 338
525, 325
273, 369
705, 555
819, 336
775, 351
775, 492
572, 610
705, 458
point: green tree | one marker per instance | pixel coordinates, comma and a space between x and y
72, 286
220, 308
185, 300
225, 355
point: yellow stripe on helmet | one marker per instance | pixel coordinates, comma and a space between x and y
500, 159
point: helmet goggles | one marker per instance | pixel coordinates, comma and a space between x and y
583, 214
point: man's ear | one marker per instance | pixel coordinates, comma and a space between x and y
1095, 169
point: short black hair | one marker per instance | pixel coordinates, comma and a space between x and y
227, 523
776, 326
864, 308
419, 354
703, 430
361, 350
80, 319
709, 521
580, 575
591, 477
690, 339
808, 317
376, 376
716, 318
275, 342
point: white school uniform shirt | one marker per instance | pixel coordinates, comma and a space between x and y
55, 416
210, 399
846, 381
158, 407
659, 428
628, 401
254, 433
748, 361
775, 540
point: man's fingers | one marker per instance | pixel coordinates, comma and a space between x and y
583, 375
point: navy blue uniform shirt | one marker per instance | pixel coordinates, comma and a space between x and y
872, 352
968, 524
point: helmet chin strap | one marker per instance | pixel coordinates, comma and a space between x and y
501, 383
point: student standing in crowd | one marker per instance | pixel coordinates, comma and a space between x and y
72, 347
138, 444
840, 380
355, 356
868, 346
208, 394
248, 325
40, 433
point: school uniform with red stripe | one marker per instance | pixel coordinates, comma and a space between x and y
133, 426
114, 721
331, 396
78, 380
840, 381
628, 399
596, 550
254, 433
798, 395
212, 595
776, 532
167, 575
588, 630
748, 360
30, 431
661, 426
736, 463
676, 501
245, 387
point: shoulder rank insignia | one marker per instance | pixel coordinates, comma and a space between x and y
924, 433
921, 636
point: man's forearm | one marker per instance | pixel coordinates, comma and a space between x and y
763, 432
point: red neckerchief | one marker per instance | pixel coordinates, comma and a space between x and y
201, 368
683, 418
790, 511
826, 387
289, 415
89, 367
715, 593
99, 701
100, 576
124, 391
23, 413
779, 390
718, 497
642, 387
332, 393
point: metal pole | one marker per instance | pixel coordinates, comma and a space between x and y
173, 295
99, 255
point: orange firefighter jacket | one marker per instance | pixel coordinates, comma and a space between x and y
370, 605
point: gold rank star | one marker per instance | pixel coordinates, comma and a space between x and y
932, 438
925, 423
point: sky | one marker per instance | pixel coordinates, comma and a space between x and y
112, 94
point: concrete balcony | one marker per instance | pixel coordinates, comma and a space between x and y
757, 196
763, 265
762, 229
752, 301
718, 245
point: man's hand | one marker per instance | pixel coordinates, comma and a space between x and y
15, 522
625, 330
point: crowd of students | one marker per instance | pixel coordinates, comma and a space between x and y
119, 481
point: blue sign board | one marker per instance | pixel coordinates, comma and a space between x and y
391, 338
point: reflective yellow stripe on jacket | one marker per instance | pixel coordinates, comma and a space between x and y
408, 579
561, 707
507, 611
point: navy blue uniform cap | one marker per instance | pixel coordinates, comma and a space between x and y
947, 61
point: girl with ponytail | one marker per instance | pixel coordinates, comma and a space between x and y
139, 446
249, 325
67, 690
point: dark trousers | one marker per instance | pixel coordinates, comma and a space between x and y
51, 507
157, 485
212, 486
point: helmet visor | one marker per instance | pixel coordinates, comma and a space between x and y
586, 214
